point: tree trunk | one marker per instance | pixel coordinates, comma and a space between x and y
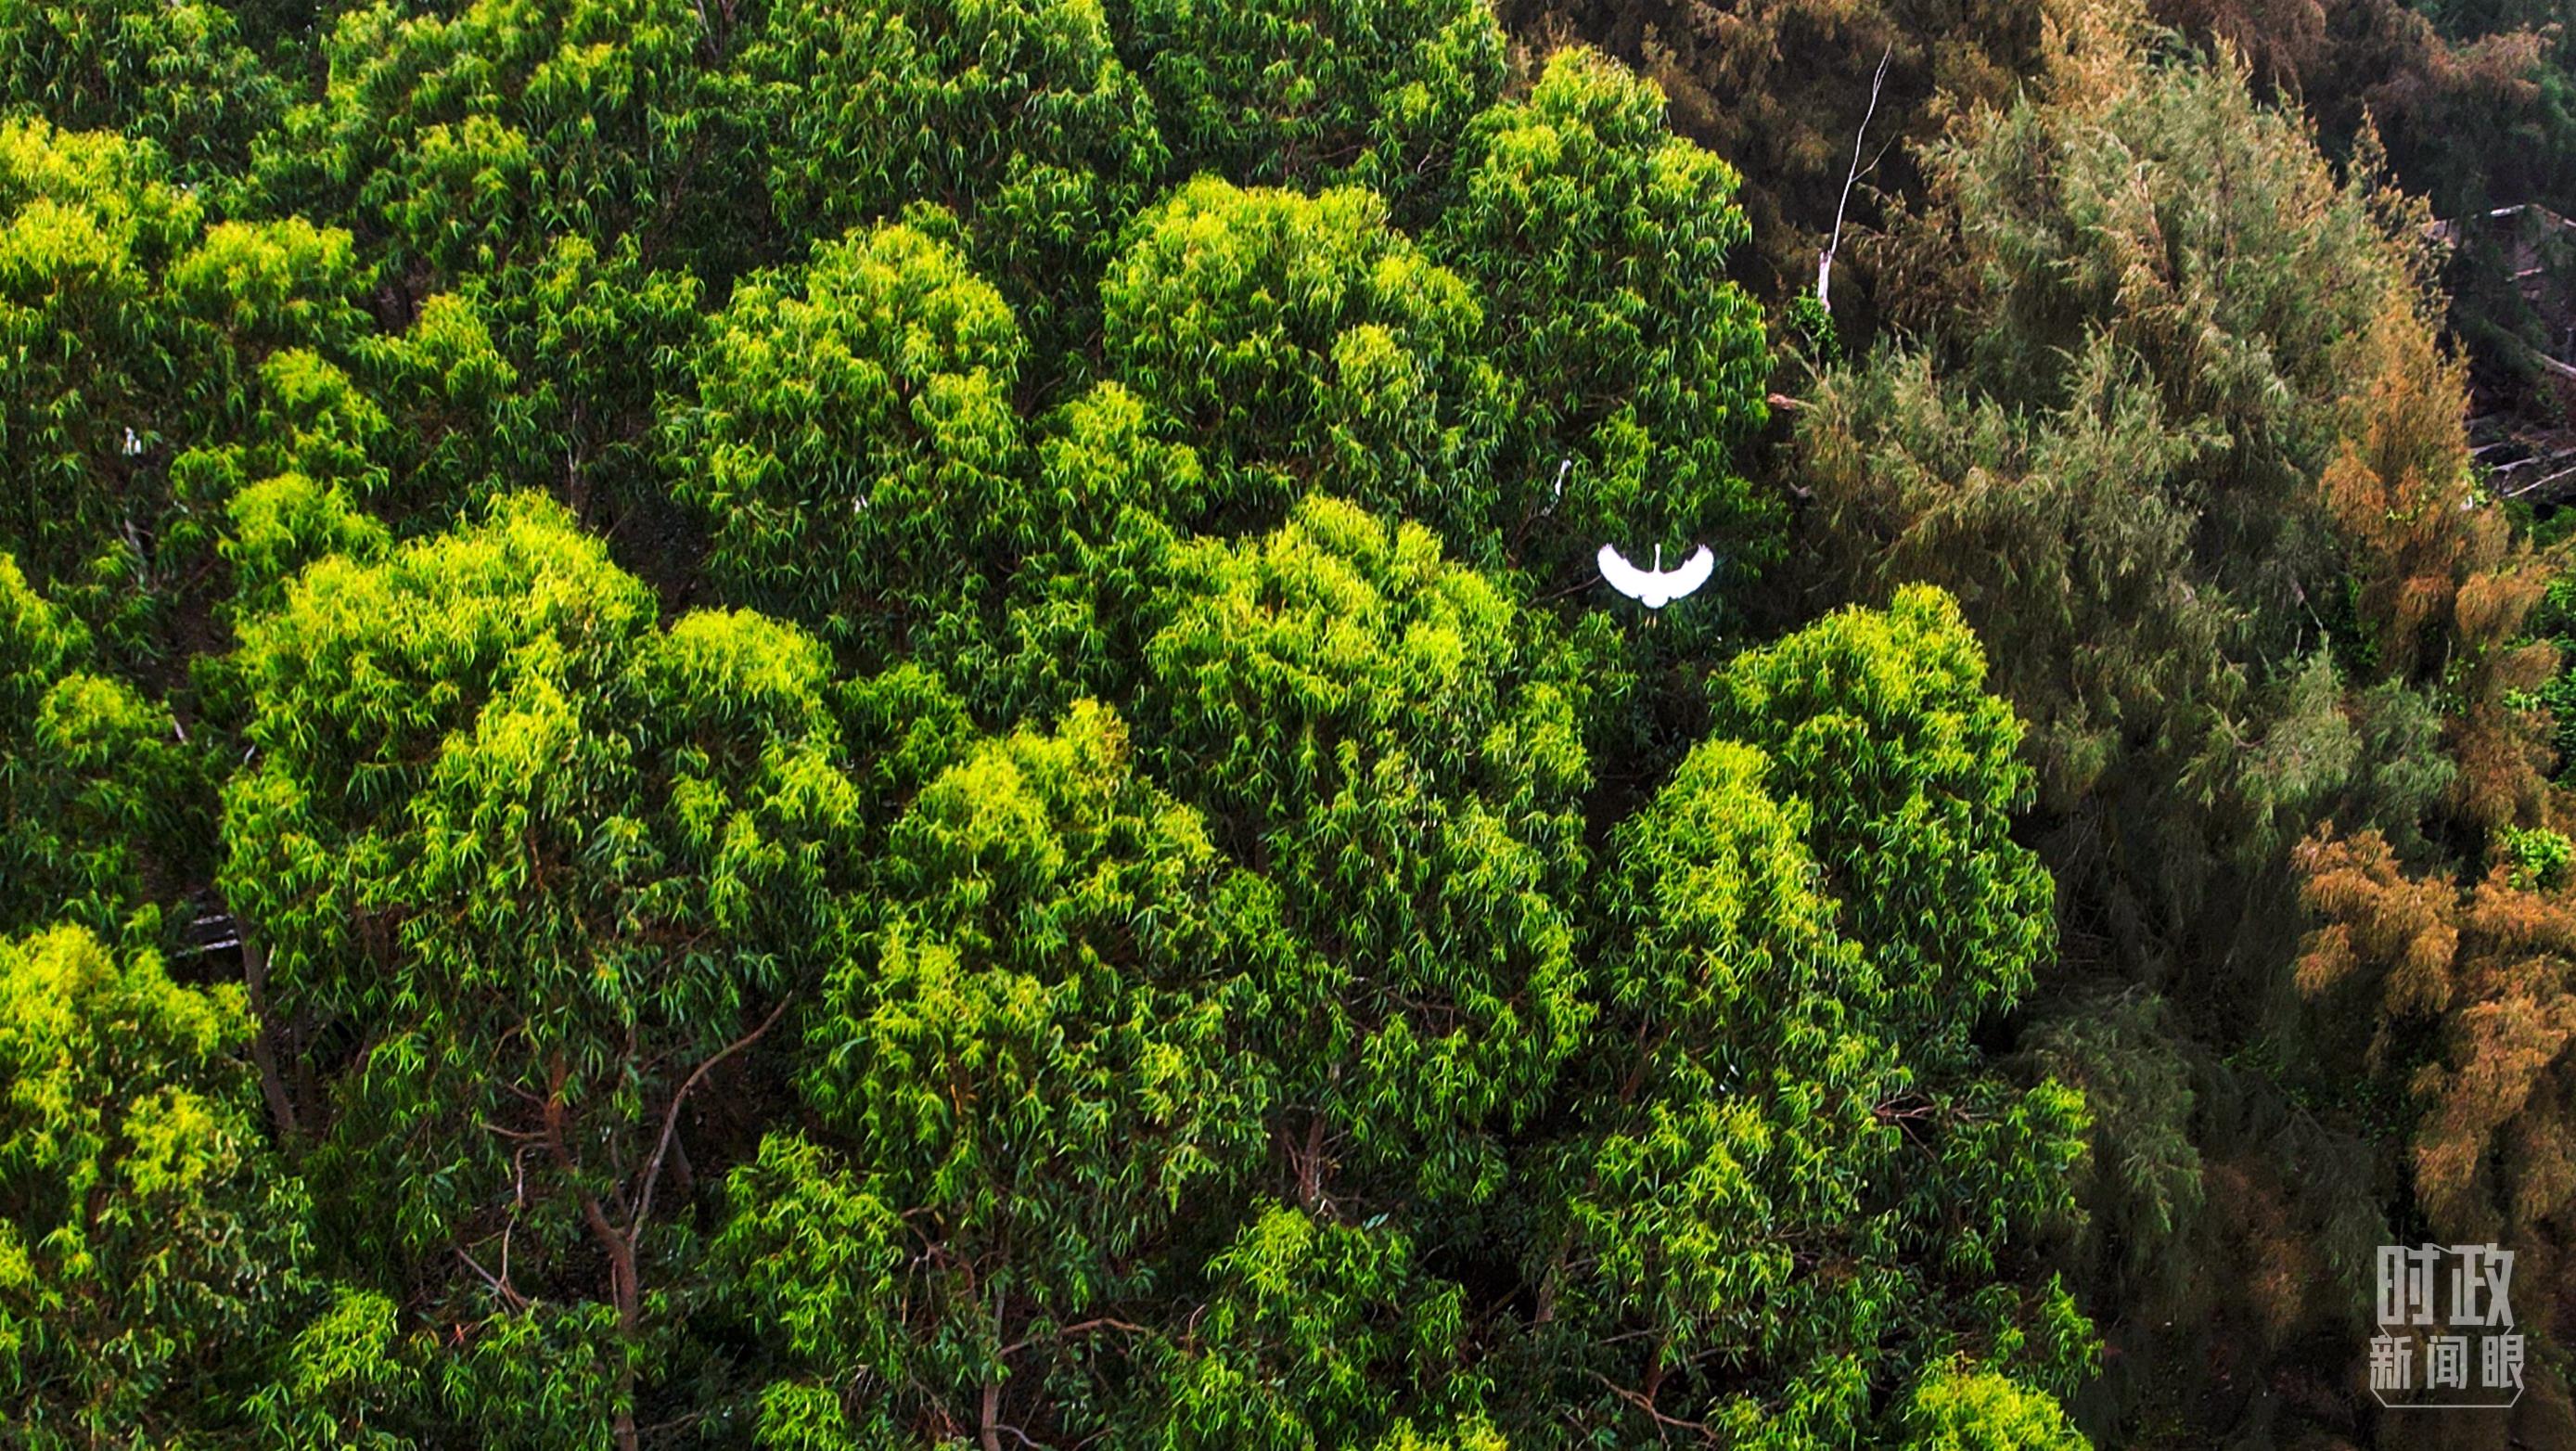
263, 1043
620, 1249
629, 1301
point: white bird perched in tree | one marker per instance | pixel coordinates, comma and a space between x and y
1657, 587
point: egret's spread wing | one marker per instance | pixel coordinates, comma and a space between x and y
1692, 573
1624, 577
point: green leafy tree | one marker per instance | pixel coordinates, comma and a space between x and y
1177, 926
542, 191
1398, 743
1599, 242
1792, 1177
467, 142
1349, 91
346, 1368
1304, 343
150, 1240
547, 376
1880, 720
176, 75
156, 364
1316, 1334
633, 837
595, 340
1960, 1409
853, 446
1019, 117
92, 225
1042, 1068
100, 802
1112, 493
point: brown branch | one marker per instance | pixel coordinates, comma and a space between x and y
1310, 1164
263, 1043
1082, 1327
671, 1117
1103, 1322
1646, 1404
500, 1286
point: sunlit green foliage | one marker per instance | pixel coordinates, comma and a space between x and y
1965, 1410
1360, 91
853, 440
94, 785
91, 226
914, 750
634, 835
147, 1232
1315, 1332
1018, 115
1781, 1164
1880, 722
155, 364
175, 74
1599, 241
463, 142
1303, 342
1399, 744
1045, 1062
339, 1377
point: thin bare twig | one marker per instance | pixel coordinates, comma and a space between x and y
1646, 1403
1081, 1327
500, 1285
671, 1118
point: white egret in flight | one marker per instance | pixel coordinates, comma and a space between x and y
1657, 587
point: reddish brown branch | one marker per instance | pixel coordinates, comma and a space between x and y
671, 1117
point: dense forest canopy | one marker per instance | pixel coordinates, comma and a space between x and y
891, 723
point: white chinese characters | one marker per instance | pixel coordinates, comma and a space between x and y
2454, 1350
